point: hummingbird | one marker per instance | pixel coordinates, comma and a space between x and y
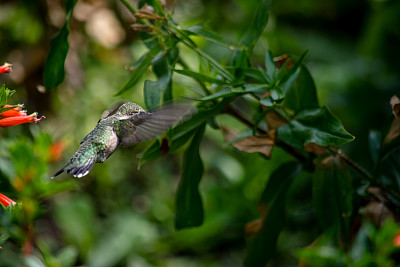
123, 124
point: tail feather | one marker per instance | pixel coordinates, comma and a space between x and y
58, 173
78, 171
82, 170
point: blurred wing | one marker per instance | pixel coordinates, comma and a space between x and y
150, 124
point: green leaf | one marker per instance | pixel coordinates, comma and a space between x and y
140, 69
332, 196
303, 94
262, 246
201, 77
276, 93
54, 71
315, 125
270, 66
213, 37
189, 207
256, 28
162, 88
388, 173
374, 142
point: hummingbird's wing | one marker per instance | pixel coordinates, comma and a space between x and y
147, 125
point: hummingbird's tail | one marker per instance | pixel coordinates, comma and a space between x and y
79, 166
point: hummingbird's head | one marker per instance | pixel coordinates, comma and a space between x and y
129, 109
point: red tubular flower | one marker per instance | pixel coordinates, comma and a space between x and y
56, 150
11, 121
6, 201
396, 240
6, 68
15, 112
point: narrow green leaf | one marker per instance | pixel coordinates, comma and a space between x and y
248, 88
251, 88
189, 207
303, 94
3, 95
222, 93
256, 28
270, 66
315, 125
140, 69
214, 37
332, 196
251, 74
262, 246
54, 71
200, 76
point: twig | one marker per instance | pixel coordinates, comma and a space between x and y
353, 164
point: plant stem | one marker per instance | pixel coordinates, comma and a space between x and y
129, 6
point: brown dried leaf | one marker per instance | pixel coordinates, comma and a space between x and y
141, 27
229, 133
280, 61
315, 149
274, 120
253, 227
395, 103
261, 143
394, 131
151, 16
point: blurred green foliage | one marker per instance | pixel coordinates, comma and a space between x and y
121, 215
